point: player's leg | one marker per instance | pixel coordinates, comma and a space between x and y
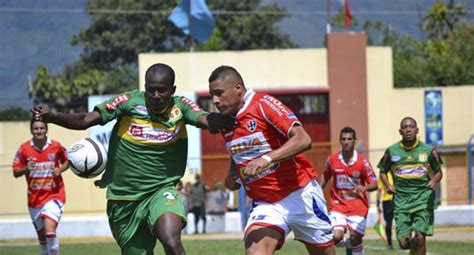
423, 226
202, 212
166, 217
308, 219
266, 228
195, 211
388, 217
262, 240
168, 231
357, 226
403, 222
339, 225
38, 223
51, 213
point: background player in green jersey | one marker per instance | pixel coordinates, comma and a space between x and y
416, 169
146, 158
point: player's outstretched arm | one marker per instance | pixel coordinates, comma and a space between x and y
77, 121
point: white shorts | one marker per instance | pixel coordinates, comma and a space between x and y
53, 210
353, 223
303, 211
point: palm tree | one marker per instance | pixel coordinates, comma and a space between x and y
442, 18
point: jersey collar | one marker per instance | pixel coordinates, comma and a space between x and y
46, 145
409, 148
351, 161
249, 94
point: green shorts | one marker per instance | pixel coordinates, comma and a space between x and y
131, 222
420, 221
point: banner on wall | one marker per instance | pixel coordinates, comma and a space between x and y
433, 117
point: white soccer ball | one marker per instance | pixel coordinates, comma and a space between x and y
87, 158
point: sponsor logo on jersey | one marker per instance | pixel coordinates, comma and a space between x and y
252, 125
117, 101
42, 169
395, 158
248, 147
152, 134
339, 170
193, 105
42, 183
411, 172
275, 105
170, 197
356, 174
422, 157
409, 158
345, 182
141, 109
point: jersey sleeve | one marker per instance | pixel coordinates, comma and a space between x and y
369, 173
385, 164
277, 114
20, 160
191, 111
113, 107
327, 171
62, 154
435, 161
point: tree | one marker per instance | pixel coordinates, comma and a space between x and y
120, 30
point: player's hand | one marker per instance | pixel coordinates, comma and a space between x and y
391, 189
30, 164
231, 182
431, 185
360, 189
255, 166
42, 113
217, 121
56, 172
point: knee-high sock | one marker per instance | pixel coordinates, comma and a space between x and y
44, 249
52, 243
358, 250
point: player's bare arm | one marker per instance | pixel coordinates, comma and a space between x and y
77, 121
299, 142
390, 188
232, 176
21, 171
59, 170
435, 180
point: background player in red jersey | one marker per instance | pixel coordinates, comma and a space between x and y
265, 148
352, 177
42, 160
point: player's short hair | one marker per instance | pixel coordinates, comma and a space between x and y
33, 120
161, 70
348, 129
225, 71
408, 118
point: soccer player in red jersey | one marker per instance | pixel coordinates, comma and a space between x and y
352, 177
265, 149
42, 160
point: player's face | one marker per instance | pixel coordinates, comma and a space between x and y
158, 95
39, 130
226, 95
408, 130
347, 141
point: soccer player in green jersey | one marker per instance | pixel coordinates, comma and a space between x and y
146, 158
416, 169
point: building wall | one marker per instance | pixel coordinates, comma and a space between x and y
269, 69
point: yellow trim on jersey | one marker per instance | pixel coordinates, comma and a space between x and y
409, 148
148, 132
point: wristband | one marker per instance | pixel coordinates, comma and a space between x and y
267, 158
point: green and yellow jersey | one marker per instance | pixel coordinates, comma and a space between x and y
411, 169
147, 150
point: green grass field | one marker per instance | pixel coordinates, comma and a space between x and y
231, 247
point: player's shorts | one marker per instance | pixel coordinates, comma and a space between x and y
132, 222
53, 210
303, 211
420, 221
355, 224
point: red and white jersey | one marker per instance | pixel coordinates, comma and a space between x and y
264, 124
346, 177
42, 185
